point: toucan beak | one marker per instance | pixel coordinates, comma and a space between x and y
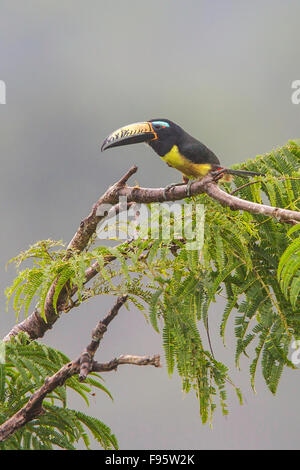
131, 134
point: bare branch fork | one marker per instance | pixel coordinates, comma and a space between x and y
83, 365
35, 326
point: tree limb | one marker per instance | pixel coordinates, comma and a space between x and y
35, 326
87, 356
235, 203
83, 365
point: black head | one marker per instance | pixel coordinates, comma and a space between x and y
168, 134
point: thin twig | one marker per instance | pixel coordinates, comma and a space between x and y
87, 356
261, 181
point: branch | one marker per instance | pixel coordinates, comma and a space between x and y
87, 356
283, 178
82, 366
128, 359
235, 203
36, 327
88, 226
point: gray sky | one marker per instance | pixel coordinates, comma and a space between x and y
77, 70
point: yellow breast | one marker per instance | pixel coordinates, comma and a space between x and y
191, 170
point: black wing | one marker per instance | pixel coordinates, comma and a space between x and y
198, 153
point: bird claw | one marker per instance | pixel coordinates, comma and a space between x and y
189, 188
170, 186
218, 174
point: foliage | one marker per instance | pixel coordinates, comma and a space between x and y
25, 369
251, 260
289, 268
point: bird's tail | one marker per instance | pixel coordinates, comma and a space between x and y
243, 173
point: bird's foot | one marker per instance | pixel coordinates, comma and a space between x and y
189, 188
170, 186
218, 174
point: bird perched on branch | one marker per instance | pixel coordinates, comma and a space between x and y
176, 147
